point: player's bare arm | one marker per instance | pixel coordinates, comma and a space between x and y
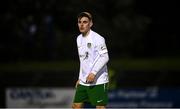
77, 82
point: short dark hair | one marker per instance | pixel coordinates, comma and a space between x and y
84, 14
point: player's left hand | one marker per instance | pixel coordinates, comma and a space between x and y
90, 78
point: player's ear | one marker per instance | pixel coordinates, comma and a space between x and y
91, 24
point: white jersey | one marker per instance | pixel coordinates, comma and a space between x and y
93, 55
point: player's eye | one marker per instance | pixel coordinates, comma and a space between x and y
84, 21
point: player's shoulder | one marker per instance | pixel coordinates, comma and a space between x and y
78, 37
97, 37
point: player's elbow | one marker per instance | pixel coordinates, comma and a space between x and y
106, 57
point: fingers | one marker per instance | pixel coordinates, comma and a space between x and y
89, 79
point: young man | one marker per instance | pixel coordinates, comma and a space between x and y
91, 86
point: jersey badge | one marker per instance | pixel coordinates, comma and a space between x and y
89, 45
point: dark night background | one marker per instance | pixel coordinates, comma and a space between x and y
38, 41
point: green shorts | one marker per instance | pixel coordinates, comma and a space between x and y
95, 95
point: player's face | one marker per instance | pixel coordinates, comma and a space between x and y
84, 25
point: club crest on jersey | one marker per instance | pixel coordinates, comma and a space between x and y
89, 45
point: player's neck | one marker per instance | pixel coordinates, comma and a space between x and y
86, 34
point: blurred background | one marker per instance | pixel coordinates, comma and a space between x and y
39, 59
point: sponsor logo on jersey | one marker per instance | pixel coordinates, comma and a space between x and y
85, 56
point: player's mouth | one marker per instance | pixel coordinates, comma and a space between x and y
82, 29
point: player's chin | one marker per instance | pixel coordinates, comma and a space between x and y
82, 31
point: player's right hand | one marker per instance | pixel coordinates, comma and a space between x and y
77, 82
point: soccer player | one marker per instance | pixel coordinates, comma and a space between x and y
91, 85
